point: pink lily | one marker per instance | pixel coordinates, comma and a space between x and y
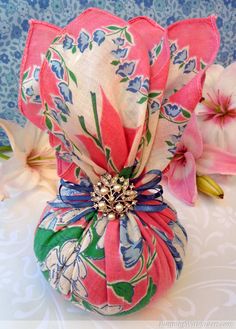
194, 157
216, 113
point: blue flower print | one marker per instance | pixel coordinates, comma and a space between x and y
175, 138
25, 25
190, 66
61, 105
119, 53
180, 57
36, 74
29, 91
170, 20
145, 84
98, 36
11, 104
36, 99
57, 6
131, 244
219, 22
151, 57
55, 116
4, 58
43, 4
63, 139
148, 3
187, 8
154, 107
126, 69
57, 69
83, 41
10, 77
10, 8
135, 84
32, 3
172, 150
119, 41
67, 42
171, 244
16, 32
234, 55
17, 54
172, 110
66, 92
172, 48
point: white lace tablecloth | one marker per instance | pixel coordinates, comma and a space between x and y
206, 289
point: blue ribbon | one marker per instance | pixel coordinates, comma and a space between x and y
78, 195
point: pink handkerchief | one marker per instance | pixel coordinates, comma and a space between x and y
115, 98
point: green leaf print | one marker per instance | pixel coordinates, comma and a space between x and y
128, 36
25, 75
48, 55
72, 76
153, 95
115, 62
158, 48
124, 79
186, 114
142, 100
145, 300
148, 136
126, 172
23, 95
124, 289
49, 123
113, 28
45, 240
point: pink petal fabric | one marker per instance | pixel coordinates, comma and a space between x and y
216, 161
112, 96
182, 181
217, 111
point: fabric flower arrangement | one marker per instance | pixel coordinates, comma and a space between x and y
112, 94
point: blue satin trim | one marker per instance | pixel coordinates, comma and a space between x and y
78, 195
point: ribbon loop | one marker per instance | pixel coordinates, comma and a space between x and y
79, 196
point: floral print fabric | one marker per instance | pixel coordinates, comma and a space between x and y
112, 100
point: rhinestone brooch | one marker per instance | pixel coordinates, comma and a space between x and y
114, 196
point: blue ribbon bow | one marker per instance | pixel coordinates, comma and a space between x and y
78, 195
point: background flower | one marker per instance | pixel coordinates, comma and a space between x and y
192, 157
216, 113
31, 164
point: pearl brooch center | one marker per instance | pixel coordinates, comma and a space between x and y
114, 196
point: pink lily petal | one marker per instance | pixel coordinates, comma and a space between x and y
226, 83
182, 178
216, 114
192, 138
216, 161
212, 77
